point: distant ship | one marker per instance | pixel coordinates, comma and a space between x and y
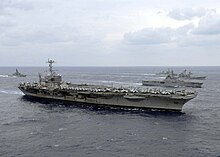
52, 87
172, 81
168, 72
17, 74
182, 75
189, 75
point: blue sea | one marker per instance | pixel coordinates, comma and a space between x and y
52, 129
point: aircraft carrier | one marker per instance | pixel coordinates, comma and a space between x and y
52, 87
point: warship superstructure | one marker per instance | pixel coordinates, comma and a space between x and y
17, 74
172, 81
168, 72
53, 88
190, 75
183, 75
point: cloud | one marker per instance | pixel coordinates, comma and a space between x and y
31, 22
186, 36
98, 32
187, 13
47, 35
156, 36
13, 14
18, 4
208, 25
185, 29
149, 36
199, 41
4, 22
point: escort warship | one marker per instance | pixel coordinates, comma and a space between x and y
183, 75
52, 87
17, 74
173, 81
189, 75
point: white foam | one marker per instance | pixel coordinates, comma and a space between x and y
149, 74
11, 92
165, 138
4, 76
61, 129
98, 147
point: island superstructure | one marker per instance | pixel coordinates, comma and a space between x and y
52, 87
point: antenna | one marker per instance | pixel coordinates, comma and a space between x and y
50, 61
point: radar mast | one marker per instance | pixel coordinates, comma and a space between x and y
50, 61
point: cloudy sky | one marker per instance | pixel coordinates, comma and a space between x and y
110, 32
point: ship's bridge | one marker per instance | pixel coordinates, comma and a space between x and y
53, 79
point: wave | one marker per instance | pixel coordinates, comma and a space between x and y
11, 92
22, 120
149, 74
109, 82
4, 76
138, 84
117, 74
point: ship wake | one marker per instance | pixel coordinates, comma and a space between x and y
4, 76
11, 92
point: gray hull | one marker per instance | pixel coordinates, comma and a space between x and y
150, 101
195, 77
172, 84
17, 74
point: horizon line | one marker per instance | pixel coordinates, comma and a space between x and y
120, 66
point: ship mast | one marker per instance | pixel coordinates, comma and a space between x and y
50, 61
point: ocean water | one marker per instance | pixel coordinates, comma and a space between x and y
44, 129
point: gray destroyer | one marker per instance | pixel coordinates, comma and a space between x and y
17, 74
53, 88
187, 75
172, 81
190, 75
